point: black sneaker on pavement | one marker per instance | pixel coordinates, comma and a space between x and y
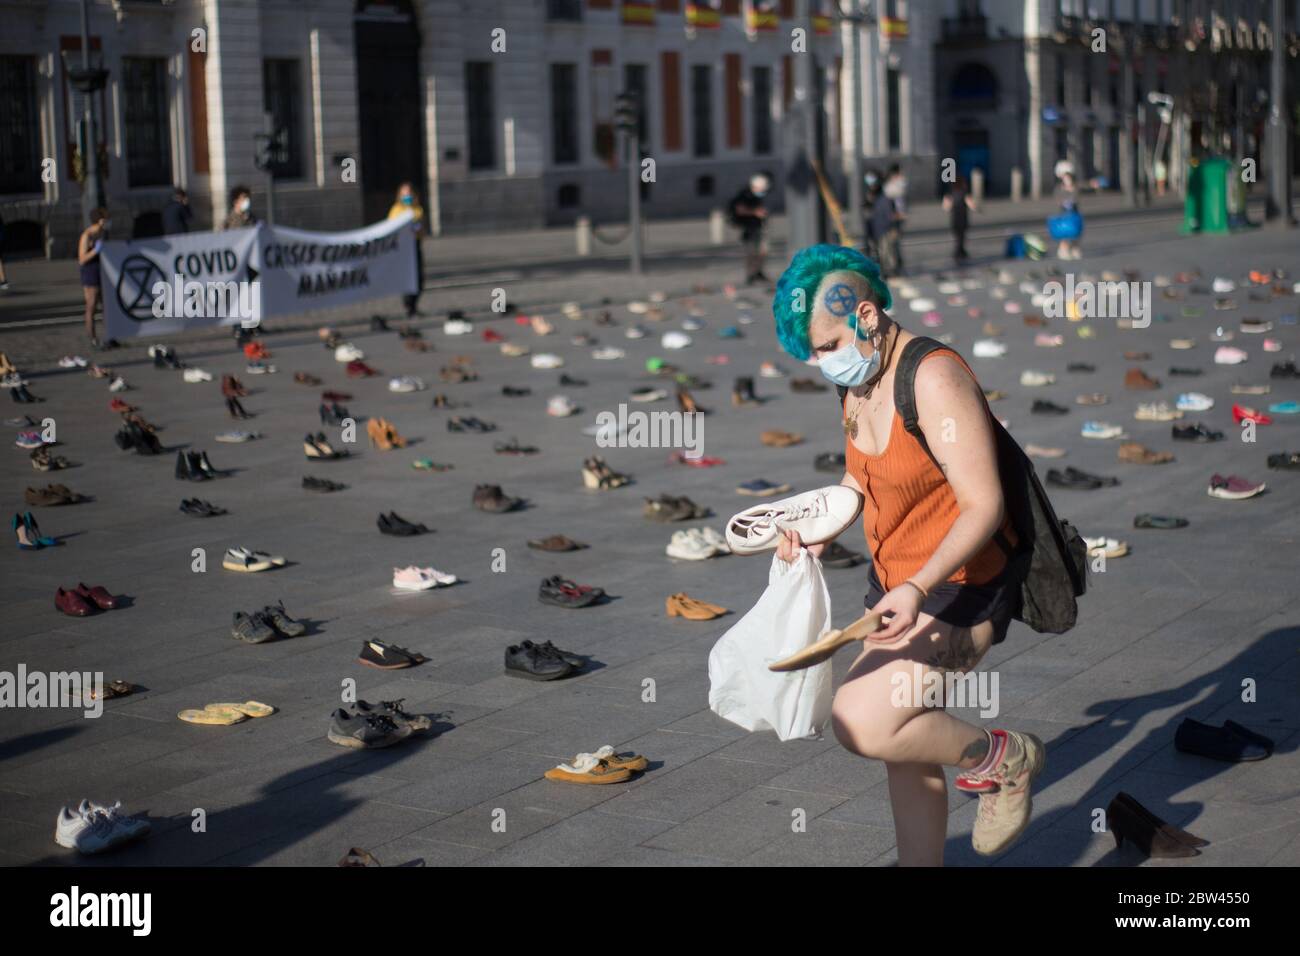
365, 732
532, 663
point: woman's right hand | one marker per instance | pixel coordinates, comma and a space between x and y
790, 544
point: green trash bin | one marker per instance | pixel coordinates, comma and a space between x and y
1205, 209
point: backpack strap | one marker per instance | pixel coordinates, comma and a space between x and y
905, 387
905, 402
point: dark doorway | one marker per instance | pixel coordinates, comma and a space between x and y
389, 103
972, 152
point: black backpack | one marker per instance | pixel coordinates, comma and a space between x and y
1050, 563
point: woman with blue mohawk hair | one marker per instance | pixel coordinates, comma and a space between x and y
939, 536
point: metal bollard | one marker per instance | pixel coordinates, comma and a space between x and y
582, 236
1017, 183
717, 227
977, 184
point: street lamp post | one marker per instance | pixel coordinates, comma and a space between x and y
1279, 136
88, 80
800, 141
855, 18
627, 114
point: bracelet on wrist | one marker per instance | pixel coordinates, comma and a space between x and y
924, 593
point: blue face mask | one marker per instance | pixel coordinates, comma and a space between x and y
847, 366
408, 200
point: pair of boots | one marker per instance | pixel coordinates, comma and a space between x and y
742, 393
235, 408
194, 466
133, 436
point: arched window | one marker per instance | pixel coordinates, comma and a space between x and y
973, 87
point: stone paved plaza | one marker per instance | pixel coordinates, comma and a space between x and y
1171, 631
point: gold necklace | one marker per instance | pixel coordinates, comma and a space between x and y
851, 420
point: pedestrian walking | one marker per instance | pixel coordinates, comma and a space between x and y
405, 202
887, 224
960, 204
88, 248
1067, 227
941, 541
176, 215
749, 213
872, 182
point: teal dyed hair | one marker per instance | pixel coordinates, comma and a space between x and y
805, 273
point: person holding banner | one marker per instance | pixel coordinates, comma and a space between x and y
241, 209
88, 246
408, 201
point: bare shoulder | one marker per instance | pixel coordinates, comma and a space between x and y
943, 376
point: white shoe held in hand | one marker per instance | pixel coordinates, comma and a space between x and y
817, 516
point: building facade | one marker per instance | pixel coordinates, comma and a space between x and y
1019, 86
896, 97
501, 112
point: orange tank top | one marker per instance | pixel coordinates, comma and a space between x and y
909, 508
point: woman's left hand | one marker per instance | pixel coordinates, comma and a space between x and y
903, 606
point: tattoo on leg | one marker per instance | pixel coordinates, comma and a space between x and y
977, 750
958, 654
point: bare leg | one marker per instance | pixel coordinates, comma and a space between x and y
872, 718
92, 299
918, 793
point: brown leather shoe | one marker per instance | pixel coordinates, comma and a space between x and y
1137, 356
775, 438
556, 542
1138, 454
72, 603
491, 498
43, 497
1135, 378
67, 494
683, 605
98, 596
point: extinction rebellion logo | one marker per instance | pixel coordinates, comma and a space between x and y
145, 292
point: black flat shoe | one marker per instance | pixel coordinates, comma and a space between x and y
1219, 743
1044, 407
1247, 734
321, 485
1106, 480
392, 524
1061, 479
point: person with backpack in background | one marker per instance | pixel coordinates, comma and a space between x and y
959, 204
749, 214
950, 567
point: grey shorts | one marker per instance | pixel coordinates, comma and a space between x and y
961, 605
